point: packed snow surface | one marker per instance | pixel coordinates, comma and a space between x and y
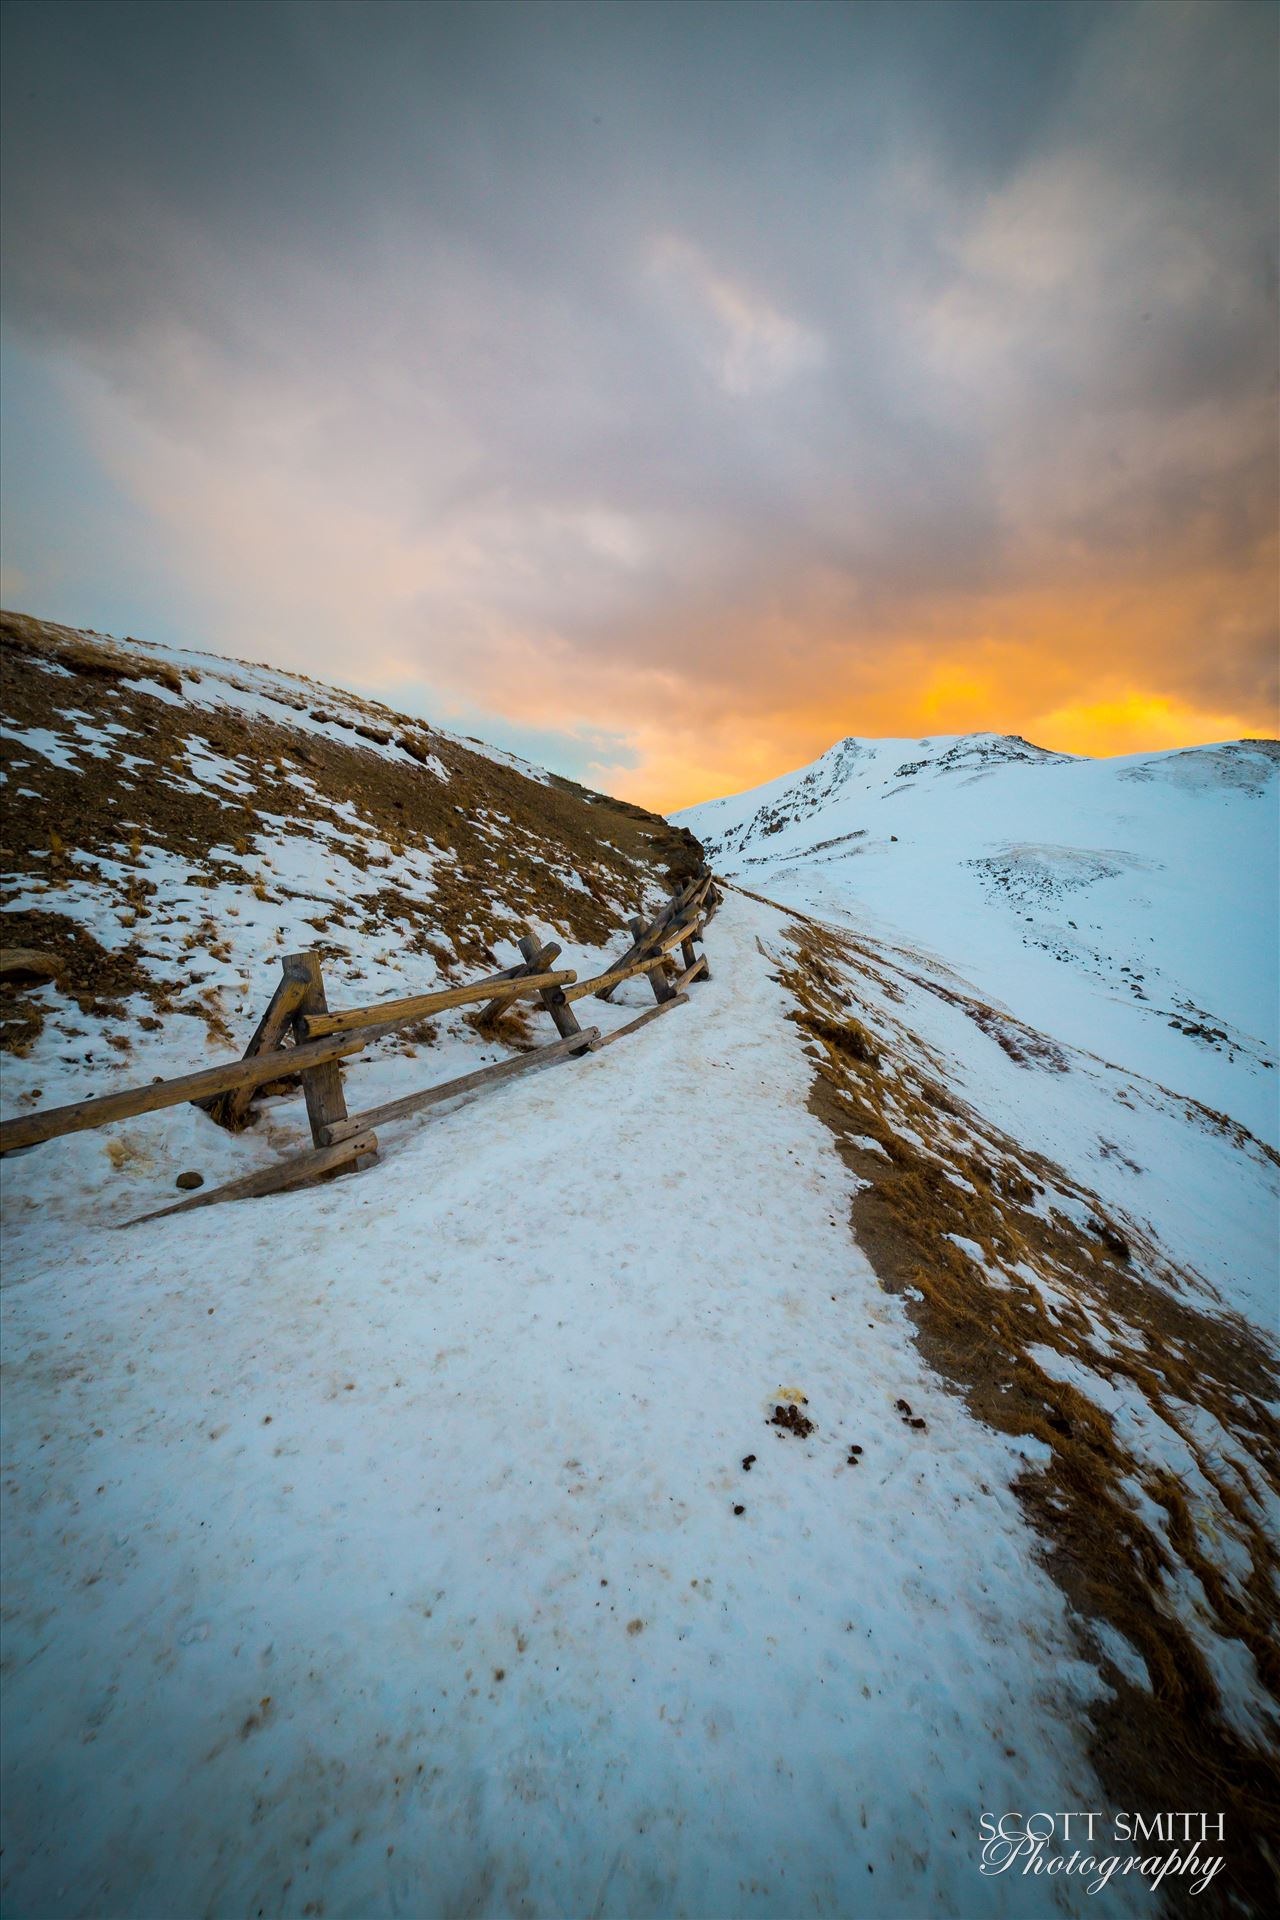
378, 1545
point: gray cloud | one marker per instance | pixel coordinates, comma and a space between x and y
640, 343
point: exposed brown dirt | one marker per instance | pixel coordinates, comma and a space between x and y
504, 846
1100, 1297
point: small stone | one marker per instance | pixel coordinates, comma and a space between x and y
189, 1180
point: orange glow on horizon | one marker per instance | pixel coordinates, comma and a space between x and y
693, 694
674, 776
1103, 672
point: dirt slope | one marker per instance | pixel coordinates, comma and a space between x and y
174, 820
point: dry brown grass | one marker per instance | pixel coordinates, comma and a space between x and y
92, 655
499, 841
1110, 1302
510, 1024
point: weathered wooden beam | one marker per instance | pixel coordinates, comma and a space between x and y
641, 1020
676, 935
553, 999
399, 1013
657, 976
678, 898
229, 1109
687, 900
657, 935
615, 977
684, 899
321, 1084
653, 929
29, 1129
697, 970
284, 1003
296, 1171
581, 1042
602, 984
537, 962
688, 952
700, 892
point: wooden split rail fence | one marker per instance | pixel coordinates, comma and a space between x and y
299, 1034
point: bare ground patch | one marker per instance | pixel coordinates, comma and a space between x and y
1125, 1538
129, 777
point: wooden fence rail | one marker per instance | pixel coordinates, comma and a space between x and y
417, 1006
299, 1034
29, 1129
408, 1103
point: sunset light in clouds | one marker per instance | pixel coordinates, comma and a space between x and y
661, 391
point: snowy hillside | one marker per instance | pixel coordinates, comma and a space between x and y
1126, 907
174, 822
1040, 998
703, 1478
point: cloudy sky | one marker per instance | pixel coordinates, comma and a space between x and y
665, 391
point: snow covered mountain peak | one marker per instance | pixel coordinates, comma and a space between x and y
881, 769
874, 768
1125, 905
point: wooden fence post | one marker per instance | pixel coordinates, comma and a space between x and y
691, 958
534, 961
231, 1109
657, 975
552, 998
682, 899
322, 1085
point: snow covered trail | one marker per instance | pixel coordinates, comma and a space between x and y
374, 1549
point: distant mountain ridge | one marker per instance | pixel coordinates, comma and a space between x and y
1128, 905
